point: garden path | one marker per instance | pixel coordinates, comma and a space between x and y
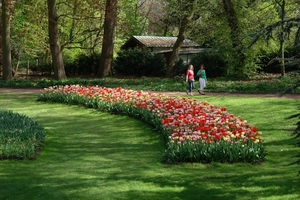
289, 96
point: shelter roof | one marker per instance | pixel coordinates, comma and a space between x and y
160, 41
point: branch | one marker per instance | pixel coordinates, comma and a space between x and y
268, 30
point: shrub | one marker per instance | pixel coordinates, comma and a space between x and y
180, 67
215, 65
270, 62
83, 65
43, 69
139, 63
20, 136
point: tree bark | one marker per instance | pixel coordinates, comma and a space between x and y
108, 38
1, 46
55, 48
281, 37
176, 48
6, 17
236, 42
180, 38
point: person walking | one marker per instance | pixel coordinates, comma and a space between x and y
189, 78
202, 79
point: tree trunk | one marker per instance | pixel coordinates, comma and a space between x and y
108, 38
1, 51
55, 48
281, 50
180, 38
175, 52
281, 39
6, 17
236, 42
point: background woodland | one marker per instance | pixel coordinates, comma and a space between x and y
56, 36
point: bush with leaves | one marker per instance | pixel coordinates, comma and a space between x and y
180, 68
20, 136
83, 65
215, 65
139, 63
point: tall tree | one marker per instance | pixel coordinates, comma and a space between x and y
1, 52
130, 20
236, 42
281, 4
108, 38
55, 48
29, 33
286, 27
154, 15
6, 17
188, 7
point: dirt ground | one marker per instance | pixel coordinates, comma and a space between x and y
289, 96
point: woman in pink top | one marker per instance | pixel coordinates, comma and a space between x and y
190, 79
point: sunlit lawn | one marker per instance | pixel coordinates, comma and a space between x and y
94, 155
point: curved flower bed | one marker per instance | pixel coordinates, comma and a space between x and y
193, 131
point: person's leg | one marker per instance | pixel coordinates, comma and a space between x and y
187, 88
202, 85
190, 87
199, 90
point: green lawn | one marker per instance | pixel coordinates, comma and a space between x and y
94, 155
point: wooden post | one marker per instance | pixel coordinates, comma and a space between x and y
27, 70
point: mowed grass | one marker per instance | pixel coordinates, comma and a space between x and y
94, 155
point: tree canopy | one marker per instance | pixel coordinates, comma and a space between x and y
241, 31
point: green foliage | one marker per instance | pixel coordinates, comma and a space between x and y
43, 68
35, 66
70, 55
220, 151
180, 67
83, 65
215, 65
29, 30
20, 136
131, 22
281, 31
79, 29
260, 83
139, 63
79, 26
273, 86
270, 63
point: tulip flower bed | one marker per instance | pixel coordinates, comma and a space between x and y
192, 131
20, 136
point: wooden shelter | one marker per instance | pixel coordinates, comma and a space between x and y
163, 45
